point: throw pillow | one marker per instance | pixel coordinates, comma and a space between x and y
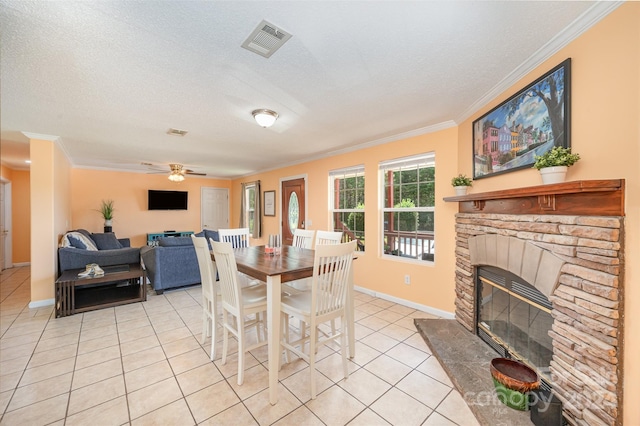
106, 241
175, 241
77, 243
88, 242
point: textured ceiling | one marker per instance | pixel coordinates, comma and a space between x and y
109, 78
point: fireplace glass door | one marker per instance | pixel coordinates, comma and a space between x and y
516, 316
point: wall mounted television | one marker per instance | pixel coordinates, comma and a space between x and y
167, 200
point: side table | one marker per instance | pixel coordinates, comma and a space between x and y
119, 285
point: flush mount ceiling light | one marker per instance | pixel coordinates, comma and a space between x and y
265, 117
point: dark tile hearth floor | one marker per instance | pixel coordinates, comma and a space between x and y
465, 358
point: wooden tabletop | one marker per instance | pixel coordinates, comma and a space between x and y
293, 263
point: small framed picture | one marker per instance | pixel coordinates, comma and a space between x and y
269, 203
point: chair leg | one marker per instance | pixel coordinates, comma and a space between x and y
241, 346
205, 326
225, 337
312, 359
343, 347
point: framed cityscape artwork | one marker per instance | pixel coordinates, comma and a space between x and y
529, 123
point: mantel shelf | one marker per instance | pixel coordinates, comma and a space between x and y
580, 197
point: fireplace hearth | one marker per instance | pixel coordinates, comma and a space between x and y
567, 242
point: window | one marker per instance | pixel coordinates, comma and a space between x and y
347, 203
250, 207
408, 208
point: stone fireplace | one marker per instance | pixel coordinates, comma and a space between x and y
567, 241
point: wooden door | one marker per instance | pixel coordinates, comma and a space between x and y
293, 208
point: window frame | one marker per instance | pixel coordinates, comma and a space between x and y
344, 173
249, 212
416, 162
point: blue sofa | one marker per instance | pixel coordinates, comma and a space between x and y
105, 250
173, 262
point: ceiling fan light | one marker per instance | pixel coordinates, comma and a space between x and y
265, 117
176, 177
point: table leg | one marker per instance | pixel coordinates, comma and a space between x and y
273, 323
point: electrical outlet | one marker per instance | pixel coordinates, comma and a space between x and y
407, 279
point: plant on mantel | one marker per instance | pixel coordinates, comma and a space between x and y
553, 164
556, 157
461, 183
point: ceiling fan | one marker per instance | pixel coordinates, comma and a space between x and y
176, 172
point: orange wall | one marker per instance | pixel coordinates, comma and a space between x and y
431, 285
49, 183
20, 208
129, 193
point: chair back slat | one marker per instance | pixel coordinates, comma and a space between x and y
228, 273
207, 274
330, 281
303, 238
238, 237
328, 237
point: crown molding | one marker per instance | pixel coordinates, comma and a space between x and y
411, 133
581, 24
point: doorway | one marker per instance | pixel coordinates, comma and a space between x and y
5, 226
293, 208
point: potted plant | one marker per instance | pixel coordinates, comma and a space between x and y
461, 183
106, 210
553, 164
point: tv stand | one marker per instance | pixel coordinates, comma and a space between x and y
152, 239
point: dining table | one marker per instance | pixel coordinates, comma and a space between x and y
288, 264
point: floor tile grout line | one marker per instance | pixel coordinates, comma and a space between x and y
180, 308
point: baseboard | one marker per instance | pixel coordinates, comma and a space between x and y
424, 308
41, 303
19, 264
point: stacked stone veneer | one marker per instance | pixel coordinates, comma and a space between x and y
586, 300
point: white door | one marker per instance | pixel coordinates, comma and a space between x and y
214, 208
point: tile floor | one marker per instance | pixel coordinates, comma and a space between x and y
143, 364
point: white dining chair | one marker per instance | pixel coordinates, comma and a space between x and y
239, 302
324, 303
328, 237
209, 292
238, 237
303, 238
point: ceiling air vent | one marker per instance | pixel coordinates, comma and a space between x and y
266, 39
177, 132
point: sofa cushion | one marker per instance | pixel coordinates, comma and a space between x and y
207, 233
79, 237
175, 241
106, 241
211, 234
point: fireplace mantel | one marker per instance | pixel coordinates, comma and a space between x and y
580, 197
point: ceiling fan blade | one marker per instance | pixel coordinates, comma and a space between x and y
191, 172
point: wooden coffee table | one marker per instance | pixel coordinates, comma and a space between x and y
119, 285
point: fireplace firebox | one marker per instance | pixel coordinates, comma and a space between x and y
514, 318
